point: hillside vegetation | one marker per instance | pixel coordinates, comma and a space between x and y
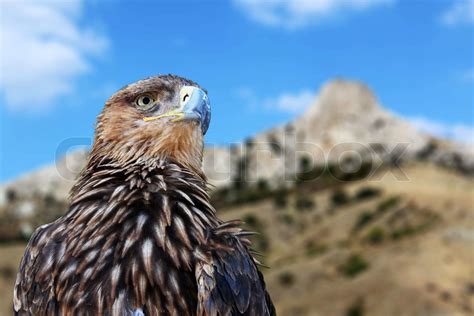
367, 247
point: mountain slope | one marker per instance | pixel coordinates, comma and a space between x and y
405, 249
388, 247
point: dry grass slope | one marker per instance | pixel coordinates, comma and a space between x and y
371, 247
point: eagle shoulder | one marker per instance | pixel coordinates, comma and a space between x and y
228, 280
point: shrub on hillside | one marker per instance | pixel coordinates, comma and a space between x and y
356, 308
303, 203
319, 174
220, 194
339, 197
304, 164
262, 186
367, 193
315, 249
388, 204
280, 200
275, 145
239, 182
346, 171
286, 278
364, 218
240, 192
354, 265
375, 236
287, 218
251, 220
249, 142
11, 195
280, 197
403, 232
261, 242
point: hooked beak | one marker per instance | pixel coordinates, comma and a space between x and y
193, 105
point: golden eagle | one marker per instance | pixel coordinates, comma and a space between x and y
140, 236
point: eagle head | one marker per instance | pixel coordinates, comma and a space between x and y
163, 117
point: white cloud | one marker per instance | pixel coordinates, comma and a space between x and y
44, 50
293, 103
458, 132
245, 93
461, 12
288, 102
298, 13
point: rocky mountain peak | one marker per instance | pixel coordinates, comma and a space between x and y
342, 97
348, 112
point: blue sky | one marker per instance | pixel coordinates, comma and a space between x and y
262, 62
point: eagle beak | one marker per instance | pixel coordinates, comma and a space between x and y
193, 105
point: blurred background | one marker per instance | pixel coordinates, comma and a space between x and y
342, 131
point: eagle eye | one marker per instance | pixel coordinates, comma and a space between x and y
145, 102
